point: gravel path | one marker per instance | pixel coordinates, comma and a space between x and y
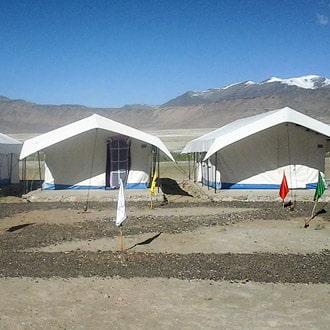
17, 259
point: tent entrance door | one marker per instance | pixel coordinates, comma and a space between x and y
118, 160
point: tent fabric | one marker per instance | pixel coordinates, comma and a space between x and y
241, 128
9, 145
252, 153
93, 122
9, 162
76, 154
202, 143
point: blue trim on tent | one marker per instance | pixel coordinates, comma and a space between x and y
311, 185
136, 186
4, 182
227, 185
47, 186
212, 184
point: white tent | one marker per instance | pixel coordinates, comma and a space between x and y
93, 153
254, 152
9, 164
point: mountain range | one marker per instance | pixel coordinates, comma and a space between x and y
250, 89
212, 108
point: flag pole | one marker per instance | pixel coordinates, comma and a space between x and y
320, 188
312, 215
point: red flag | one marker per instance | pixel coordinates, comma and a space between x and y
284, 189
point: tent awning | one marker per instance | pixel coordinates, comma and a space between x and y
95, 121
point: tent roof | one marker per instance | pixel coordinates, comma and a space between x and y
9, 145
93, 122
242, 128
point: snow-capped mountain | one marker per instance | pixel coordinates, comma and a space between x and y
250, 89
307, 82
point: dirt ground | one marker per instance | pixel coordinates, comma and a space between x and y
196, 230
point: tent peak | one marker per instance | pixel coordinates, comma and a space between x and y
92, 122
245, 127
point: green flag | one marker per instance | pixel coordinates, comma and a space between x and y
319, 188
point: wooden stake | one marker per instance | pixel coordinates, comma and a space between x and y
121, 239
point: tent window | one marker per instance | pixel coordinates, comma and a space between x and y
118, 160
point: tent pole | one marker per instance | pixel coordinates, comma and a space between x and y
158, 167
91, 171
189, 176
215, 172
24, 175
32, 176
293, 197
118, 161
194, 166
208, 175
11, 167
39, 165
202, 165
153, 165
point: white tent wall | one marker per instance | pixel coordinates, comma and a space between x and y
80, 162
74, 163
9, 169
209, 173
258, 161
141, 164
9, 160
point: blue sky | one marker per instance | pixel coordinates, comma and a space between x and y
111, 53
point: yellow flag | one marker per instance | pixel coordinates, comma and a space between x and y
153, 184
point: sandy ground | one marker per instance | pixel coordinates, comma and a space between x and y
140, 303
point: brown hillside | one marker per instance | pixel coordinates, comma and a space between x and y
18, 116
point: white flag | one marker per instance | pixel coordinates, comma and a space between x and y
121, 212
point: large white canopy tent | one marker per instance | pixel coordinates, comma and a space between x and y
254, 152
93, 153
9, 163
